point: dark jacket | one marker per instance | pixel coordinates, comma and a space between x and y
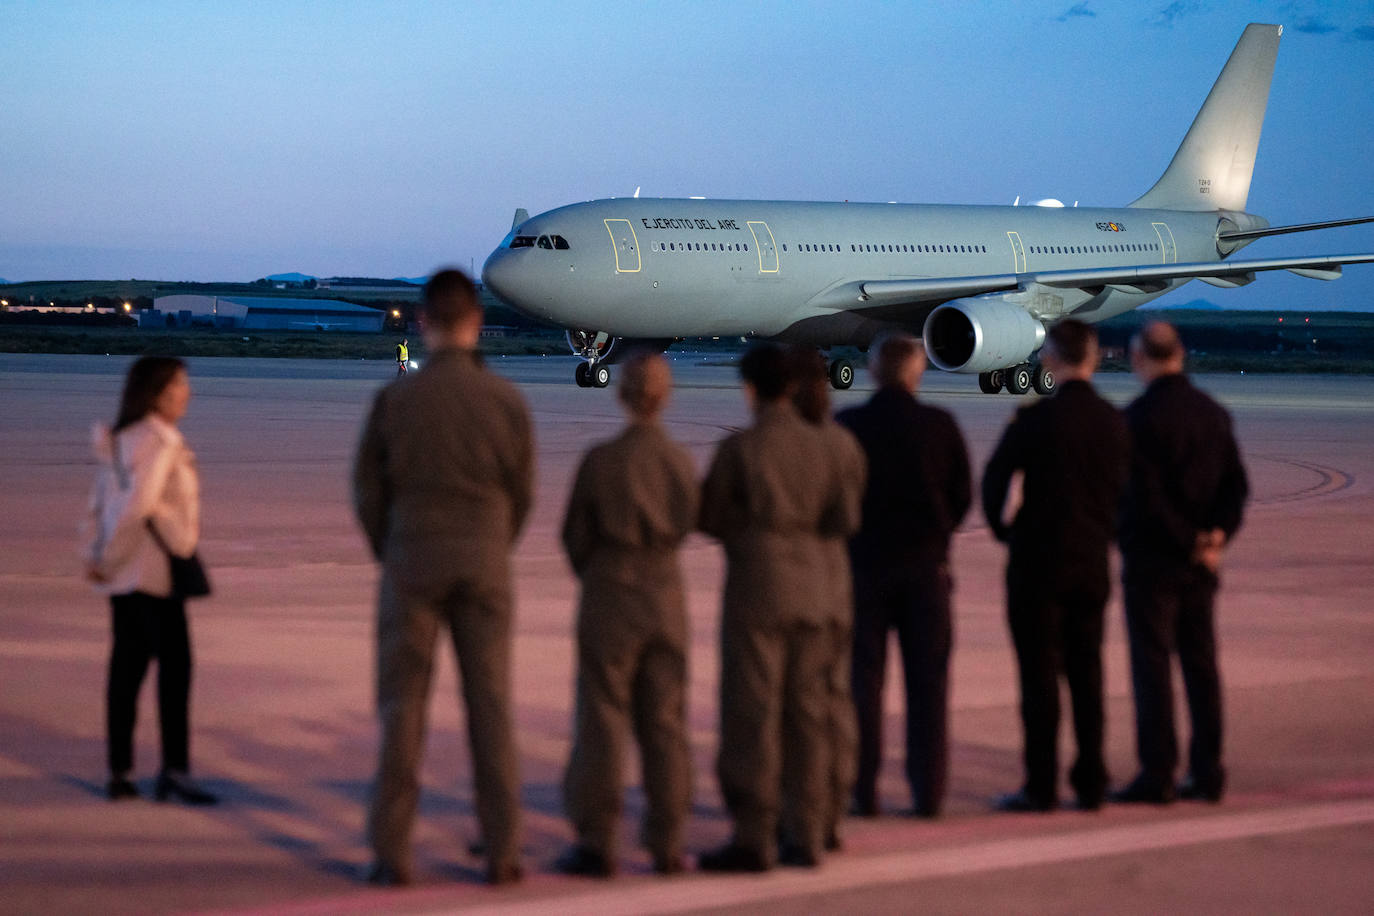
444, 472
1073, 449
918, 480
1186, 472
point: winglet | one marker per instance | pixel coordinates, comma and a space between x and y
1213, 166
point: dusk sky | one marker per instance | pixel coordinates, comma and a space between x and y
228, 141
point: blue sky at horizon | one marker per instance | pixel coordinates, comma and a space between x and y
198, 141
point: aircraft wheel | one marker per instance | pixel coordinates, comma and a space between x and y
600, 376
582, 376
1043, 380
1019, 379
990, 382
841, 374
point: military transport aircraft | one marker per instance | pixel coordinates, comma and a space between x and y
978, 283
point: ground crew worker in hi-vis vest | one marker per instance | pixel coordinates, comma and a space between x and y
402, 357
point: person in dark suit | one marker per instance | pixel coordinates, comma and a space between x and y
772, 495
1184, 503
442, 484
632, 503
1072, 452
918, 492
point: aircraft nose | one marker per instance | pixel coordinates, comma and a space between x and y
498, 275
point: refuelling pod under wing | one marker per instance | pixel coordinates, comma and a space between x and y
980, 335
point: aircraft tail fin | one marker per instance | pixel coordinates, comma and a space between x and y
521, 215
1213, 166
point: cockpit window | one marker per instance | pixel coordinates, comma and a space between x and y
522, 241
560, 243
545, 243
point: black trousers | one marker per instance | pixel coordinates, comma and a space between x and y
916, 603
1170, 609
1056, 627
145, 628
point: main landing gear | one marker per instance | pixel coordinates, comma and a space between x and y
841, 374
1018, 380
592, 375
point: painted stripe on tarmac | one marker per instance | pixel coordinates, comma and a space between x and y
841, 873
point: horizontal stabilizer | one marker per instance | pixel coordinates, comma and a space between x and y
1238, 235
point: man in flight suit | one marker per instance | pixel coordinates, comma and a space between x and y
772, 494
1072, 450
1184, 504
442, 485
918, 492
633, 501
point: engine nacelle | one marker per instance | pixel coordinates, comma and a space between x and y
980, 335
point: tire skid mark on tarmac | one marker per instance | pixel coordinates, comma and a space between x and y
1329, 480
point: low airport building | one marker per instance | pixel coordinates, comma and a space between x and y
261, 313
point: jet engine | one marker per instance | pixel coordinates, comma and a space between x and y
981, 335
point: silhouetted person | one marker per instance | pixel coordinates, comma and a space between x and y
442, 484
812, 400
1072, 450
146, 502
632, 503
402, 357
1184, 503
772, 494
918, 492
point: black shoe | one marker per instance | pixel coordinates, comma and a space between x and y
1022, 802
120, 787
863, 807
796, 856
1193, 790
923, 812
732, 858
585, 861
170, 782
383, 875
833, 843
505, 873
1088, 802
669, 864
1141, 791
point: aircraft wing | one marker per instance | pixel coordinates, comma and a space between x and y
887, 297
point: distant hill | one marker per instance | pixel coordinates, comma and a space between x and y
418, 281
290, 278
3, 281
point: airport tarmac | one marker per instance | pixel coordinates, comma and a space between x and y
283, 724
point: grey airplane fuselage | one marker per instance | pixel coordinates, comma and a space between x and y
677, 268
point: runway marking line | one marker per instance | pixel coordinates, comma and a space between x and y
702, 892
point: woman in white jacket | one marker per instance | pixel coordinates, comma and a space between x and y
146, 490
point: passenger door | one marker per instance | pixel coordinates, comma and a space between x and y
765, 246
625, 244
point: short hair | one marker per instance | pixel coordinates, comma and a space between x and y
811, 394
1158, 341
894, 351
147, 378
765, 366
449, 299
1072, 341
645, 382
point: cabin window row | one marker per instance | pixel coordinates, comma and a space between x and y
1093, 249
701, 246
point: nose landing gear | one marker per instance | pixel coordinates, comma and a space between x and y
592, 375
841, 374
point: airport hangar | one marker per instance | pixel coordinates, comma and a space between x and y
261, 313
